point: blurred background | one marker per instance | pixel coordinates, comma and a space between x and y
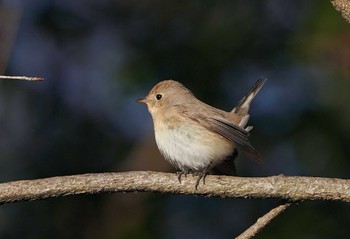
98, 57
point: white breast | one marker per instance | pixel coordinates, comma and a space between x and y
191, 146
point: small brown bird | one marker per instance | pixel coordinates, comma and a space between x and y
198, 138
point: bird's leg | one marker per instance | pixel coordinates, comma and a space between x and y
179, 174
202, 175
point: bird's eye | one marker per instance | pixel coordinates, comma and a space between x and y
159, 96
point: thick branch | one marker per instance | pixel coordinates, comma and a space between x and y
287, 188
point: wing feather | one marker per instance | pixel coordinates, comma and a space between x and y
228, 130
235, 134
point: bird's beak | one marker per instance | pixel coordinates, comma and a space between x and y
142, 100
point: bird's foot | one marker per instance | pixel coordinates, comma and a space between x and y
179, 175
201, 176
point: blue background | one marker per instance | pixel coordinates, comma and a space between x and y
98, 57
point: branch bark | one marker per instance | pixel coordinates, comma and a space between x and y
263, 221
282, 187
342, 6
27, 78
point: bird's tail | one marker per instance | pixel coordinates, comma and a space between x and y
242, 107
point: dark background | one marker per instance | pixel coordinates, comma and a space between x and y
98, 57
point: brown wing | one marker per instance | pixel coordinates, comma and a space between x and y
235, 134
226, 129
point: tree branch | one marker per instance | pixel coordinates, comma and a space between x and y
342, 6
282, 187
27, 78
263, 221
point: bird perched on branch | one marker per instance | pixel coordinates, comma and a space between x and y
198, 138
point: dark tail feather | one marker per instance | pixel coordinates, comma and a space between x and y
243, 105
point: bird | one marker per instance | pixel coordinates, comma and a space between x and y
198, 138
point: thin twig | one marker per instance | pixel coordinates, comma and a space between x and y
263, 221
281, 187
27, 78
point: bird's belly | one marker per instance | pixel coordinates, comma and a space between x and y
191, 147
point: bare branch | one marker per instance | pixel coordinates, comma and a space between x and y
27, 78
287, 188
342, 6
263, 221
